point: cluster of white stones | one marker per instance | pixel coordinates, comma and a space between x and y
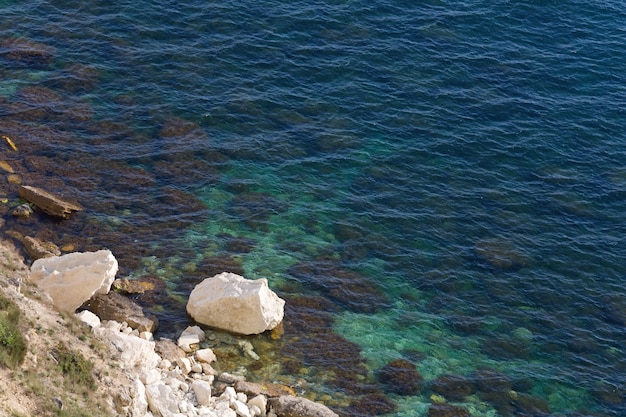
188, 386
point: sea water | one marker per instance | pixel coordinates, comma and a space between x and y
462, 161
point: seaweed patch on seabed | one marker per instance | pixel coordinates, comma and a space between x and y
345, 287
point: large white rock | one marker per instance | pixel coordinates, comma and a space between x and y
72, 279
231, 302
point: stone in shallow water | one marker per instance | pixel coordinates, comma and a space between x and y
230, 302
126, 286
22, 211
47, 202
401, 377
205, 355
26, 51
453, 387
491, 380
447, 410
345, 287
371, 405
500, 254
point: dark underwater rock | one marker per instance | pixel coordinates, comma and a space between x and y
506, 347
36, 103
614, 309
177, 128
491, 380
466, 325
345, 287
371, 405
609, 394
211, 266
401, 377
447, 410
236, 244
77, 78
255, 209
500, 254
495, 388
527, 405
453, 387
25, 51
309, 341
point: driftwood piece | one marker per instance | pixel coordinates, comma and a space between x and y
48, 203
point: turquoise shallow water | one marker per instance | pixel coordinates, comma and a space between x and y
440, 182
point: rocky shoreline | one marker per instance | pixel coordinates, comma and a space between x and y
164, 378
180, 381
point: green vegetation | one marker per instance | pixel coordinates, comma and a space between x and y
74, 366
12, 343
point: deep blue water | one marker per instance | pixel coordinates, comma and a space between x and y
445, 178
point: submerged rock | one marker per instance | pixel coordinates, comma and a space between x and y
230, 302
271, 390
372, 405
309, 342
401, 377
447, 410
23, 211
500, 254
127, 286
453, 387
345, 287
491, 380
26, 51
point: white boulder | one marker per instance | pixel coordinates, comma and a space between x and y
74, 278
233, 303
